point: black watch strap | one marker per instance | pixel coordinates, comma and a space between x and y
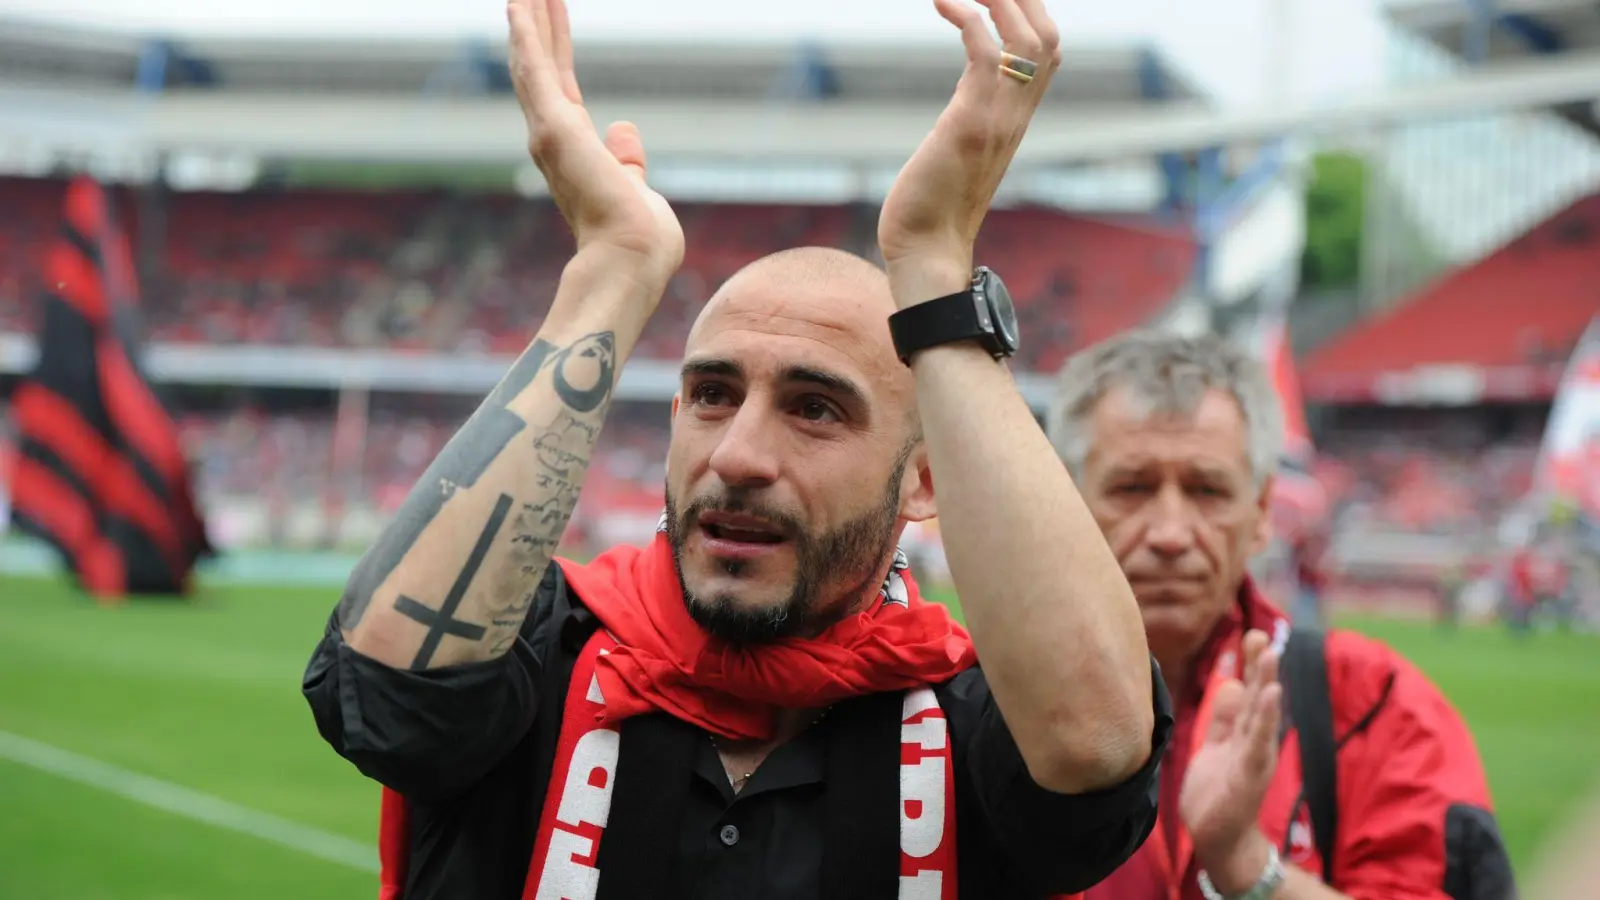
951, 318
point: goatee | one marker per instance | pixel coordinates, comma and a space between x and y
849, 557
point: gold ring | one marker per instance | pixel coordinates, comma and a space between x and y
1021, 69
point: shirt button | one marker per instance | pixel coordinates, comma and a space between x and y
729, 835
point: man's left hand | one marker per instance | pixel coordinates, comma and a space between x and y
1228, 777
932, 215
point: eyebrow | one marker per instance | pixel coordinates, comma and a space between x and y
1213, 473
842, 387
1138, 467
718, 367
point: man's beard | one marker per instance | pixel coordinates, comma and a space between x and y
853, 553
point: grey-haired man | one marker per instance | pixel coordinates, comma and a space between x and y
1173, 443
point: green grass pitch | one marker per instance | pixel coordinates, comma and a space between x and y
205, 695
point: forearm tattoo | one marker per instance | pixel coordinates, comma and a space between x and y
582, 377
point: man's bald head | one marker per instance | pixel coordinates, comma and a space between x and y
822, 276
818, 264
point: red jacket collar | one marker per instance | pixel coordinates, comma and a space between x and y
1251, 610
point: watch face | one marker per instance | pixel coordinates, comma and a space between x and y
1001, 310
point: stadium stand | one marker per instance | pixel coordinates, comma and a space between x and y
472, 273
462, 274
427, 270
1078, 280
1522, 307
33, 211
1439, 473
274, 461
273, 268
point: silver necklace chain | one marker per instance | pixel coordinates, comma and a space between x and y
739, 781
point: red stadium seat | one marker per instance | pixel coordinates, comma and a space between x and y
1526, 304
418, 271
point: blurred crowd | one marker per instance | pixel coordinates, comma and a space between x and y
1422, 483
286, 461
476, 272
1441, 471
467, 273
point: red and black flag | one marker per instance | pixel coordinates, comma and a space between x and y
100, 471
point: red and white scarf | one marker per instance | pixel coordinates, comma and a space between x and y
577, 807
649, 655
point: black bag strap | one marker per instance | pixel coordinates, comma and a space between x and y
1305, 683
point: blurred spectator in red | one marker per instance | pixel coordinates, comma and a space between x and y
1309, 554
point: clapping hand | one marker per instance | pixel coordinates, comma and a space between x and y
932, 214
599, 185
1228, 777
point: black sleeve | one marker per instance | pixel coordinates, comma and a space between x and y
430, 734
1035, 841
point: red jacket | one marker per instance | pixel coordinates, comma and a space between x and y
1411, 790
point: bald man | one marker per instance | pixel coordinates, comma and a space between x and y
758, 703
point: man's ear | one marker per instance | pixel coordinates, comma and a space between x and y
675, 399
916, 487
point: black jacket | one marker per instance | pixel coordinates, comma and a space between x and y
471, 749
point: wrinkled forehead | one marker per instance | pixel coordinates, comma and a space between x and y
769, 324
1129, 431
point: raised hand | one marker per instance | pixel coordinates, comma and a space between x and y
1229, 775
453, 576
933, 212
599, 185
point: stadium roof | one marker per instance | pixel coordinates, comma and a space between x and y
1513, 28
899, 66
850, 95
724, 22
396, 128
846, 96
608, 68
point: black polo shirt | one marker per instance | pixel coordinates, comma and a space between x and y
470, 749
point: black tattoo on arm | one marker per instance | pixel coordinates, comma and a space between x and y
505, 622
495, 588
440, 622
563, 450
599, 349
467, 456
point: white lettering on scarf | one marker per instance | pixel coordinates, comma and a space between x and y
922, 791
569, 872
925, 885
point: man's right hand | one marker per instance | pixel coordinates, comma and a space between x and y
454, 575
599, 186
1230, 773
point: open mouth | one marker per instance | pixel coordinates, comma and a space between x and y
729, 529
742, 535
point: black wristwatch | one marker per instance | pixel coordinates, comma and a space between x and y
982, 313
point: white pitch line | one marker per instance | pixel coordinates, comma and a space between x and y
188, 803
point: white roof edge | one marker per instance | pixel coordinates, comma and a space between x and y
1107, 55
1111, 54
28, 29
490, 130
129, 36
409, 129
